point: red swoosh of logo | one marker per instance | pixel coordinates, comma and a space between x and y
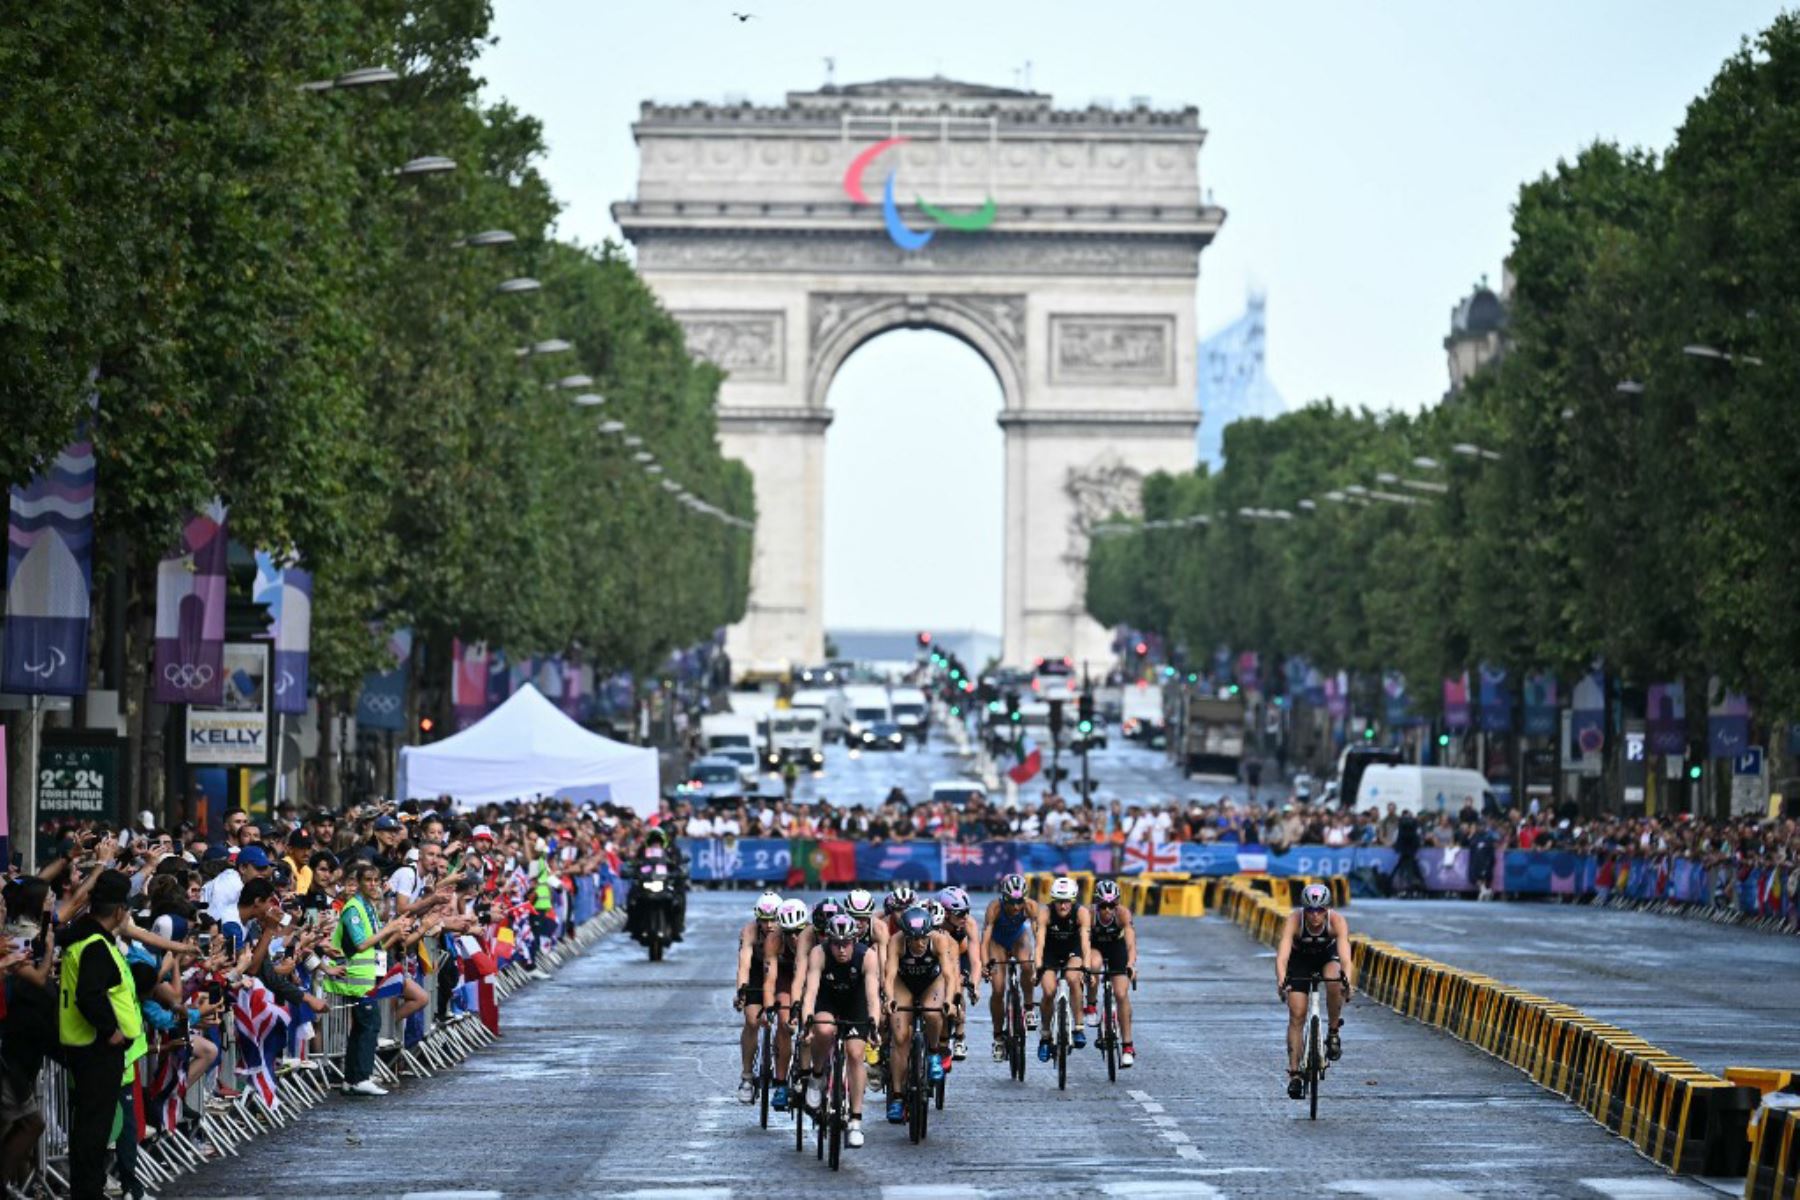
853, 186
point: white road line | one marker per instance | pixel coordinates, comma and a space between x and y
928, 1191
1644, 1188
1400, 1189
1163, 1189
1163, 1122
1192, 1153
1150, 1107
451, 1196
1140, 1097
1174, 1135
698, 1193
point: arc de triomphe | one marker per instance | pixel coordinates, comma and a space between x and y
1062, 245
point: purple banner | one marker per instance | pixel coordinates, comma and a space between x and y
1540, 704
49, 574
1587, 714
1727, 722
1666, 720
190, 614
1456, 702
1496, 700
907, 861
1399, 706
499, 679
468, 682
1249, 671
287, 590
1337, 696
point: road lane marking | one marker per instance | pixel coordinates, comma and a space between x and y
451, 1196
698, 1193
1400, 1189
1162, 1189
930, 1191
1644, 1189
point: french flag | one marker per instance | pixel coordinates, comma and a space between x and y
1031, 761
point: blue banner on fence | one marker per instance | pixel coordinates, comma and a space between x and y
908, 861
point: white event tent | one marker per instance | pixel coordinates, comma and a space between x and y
525, 748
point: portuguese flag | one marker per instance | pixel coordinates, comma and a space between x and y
816, 863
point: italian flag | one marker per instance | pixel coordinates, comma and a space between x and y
1031, 760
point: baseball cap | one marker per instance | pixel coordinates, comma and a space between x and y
386, 825
252, 856
214, 853
482, 831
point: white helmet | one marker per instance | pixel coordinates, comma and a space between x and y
792, 915
1316, 895
1064, 888
767, 906
860, 903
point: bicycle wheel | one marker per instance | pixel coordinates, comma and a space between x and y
765, 1068
799, 1111
836, 1108
924, 1085
1313, 1069
1109, 1030
1015, 1046
1062, 1045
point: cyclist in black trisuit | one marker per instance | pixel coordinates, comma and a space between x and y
840, 986
1062, 951
1113, 936
1314, 941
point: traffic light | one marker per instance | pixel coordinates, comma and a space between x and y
1084, 709
1142, 649
955, 711
1368, 733
1234, 689
425, 724
1056, 718
924, 638
1693, 770
1012, 707
1443, 739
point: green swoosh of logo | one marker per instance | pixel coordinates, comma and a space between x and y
969, 222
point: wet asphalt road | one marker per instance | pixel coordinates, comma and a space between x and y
616, 1079
1716, 995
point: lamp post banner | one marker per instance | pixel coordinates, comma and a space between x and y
1456, 702
287, 590
49, 577
189, 664
1540, 704
1667, 718
382, 704
1495, 700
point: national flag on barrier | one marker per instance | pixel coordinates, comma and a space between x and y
819, 862
963, 854
262, 1029
168, 1084
392, 984
1031, 760
1151, 856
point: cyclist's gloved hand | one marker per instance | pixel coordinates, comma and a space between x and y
737, 1003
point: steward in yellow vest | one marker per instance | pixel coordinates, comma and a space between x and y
101, 1029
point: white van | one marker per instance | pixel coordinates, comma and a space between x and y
911, 711
868, 706
1422, 789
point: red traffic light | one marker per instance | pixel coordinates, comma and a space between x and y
1142, 648
425, 724
924, 639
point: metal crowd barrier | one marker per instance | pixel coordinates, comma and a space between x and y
223, 1127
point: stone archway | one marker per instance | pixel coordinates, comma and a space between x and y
1078, 291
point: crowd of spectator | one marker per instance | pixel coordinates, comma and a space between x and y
154, 956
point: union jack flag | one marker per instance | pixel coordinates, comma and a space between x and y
262, 1031
1151, 856
168, 1084
968, 855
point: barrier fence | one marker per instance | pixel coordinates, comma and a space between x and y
1745, 891
1686, 1119
208, 1124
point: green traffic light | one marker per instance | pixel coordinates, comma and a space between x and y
1368, 733
1086, 727
1694, 771
955, 711
1193, 678
1017, 717
993, 706
1443, 739
1234, 689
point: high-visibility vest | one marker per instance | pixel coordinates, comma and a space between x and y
74, 1029
543, 902
361, 967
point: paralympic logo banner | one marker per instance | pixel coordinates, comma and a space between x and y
49, 577
898, 231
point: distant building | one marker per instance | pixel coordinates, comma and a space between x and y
1477, 331
1234, 380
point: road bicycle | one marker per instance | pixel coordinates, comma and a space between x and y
832, 1120
796, 1078
1012, 1017
1313, 1062
918, 1074
764, 1074
1109, 1035
1062, 1029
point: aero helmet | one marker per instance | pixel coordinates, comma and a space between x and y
1316, 896
915, 922
1064, 888
791, 916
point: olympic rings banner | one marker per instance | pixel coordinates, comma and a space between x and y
190, 614
382, 704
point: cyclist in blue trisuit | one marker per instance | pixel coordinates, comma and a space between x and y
1007, 932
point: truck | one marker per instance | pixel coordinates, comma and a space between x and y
1141, 712
912, 711
734, 736
868, 705
1209, 739
828, 705
796, 735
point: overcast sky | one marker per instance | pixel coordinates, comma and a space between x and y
1368, 155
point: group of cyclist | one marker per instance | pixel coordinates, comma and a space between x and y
918, 958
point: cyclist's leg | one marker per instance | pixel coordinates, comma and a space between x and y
1296, 1002
1121, 986
934, 1022
747, 1039
901, 1025
824, 1029
1077, 986
1334, 1001
784, 1037
996, 992
857, 1064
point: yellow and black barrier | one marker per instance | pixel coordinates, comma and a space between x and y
1676, 1114
1152, 894
1774, 1171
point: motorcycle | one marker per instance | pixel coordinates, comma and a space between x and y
655, 898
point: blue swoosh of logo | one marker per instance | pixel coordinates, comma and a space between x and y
903, 237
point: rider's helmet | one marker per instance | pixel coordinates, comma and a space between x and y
1106, 892
1012, 887
791, 916
860, 903
767, 907
1064, 888
937, 913
654, 836
823, 911
900, 899
1316, 896
954, 899
841, 928
915, 922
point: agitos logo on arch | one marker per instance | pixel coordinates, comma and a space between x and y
903, 235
